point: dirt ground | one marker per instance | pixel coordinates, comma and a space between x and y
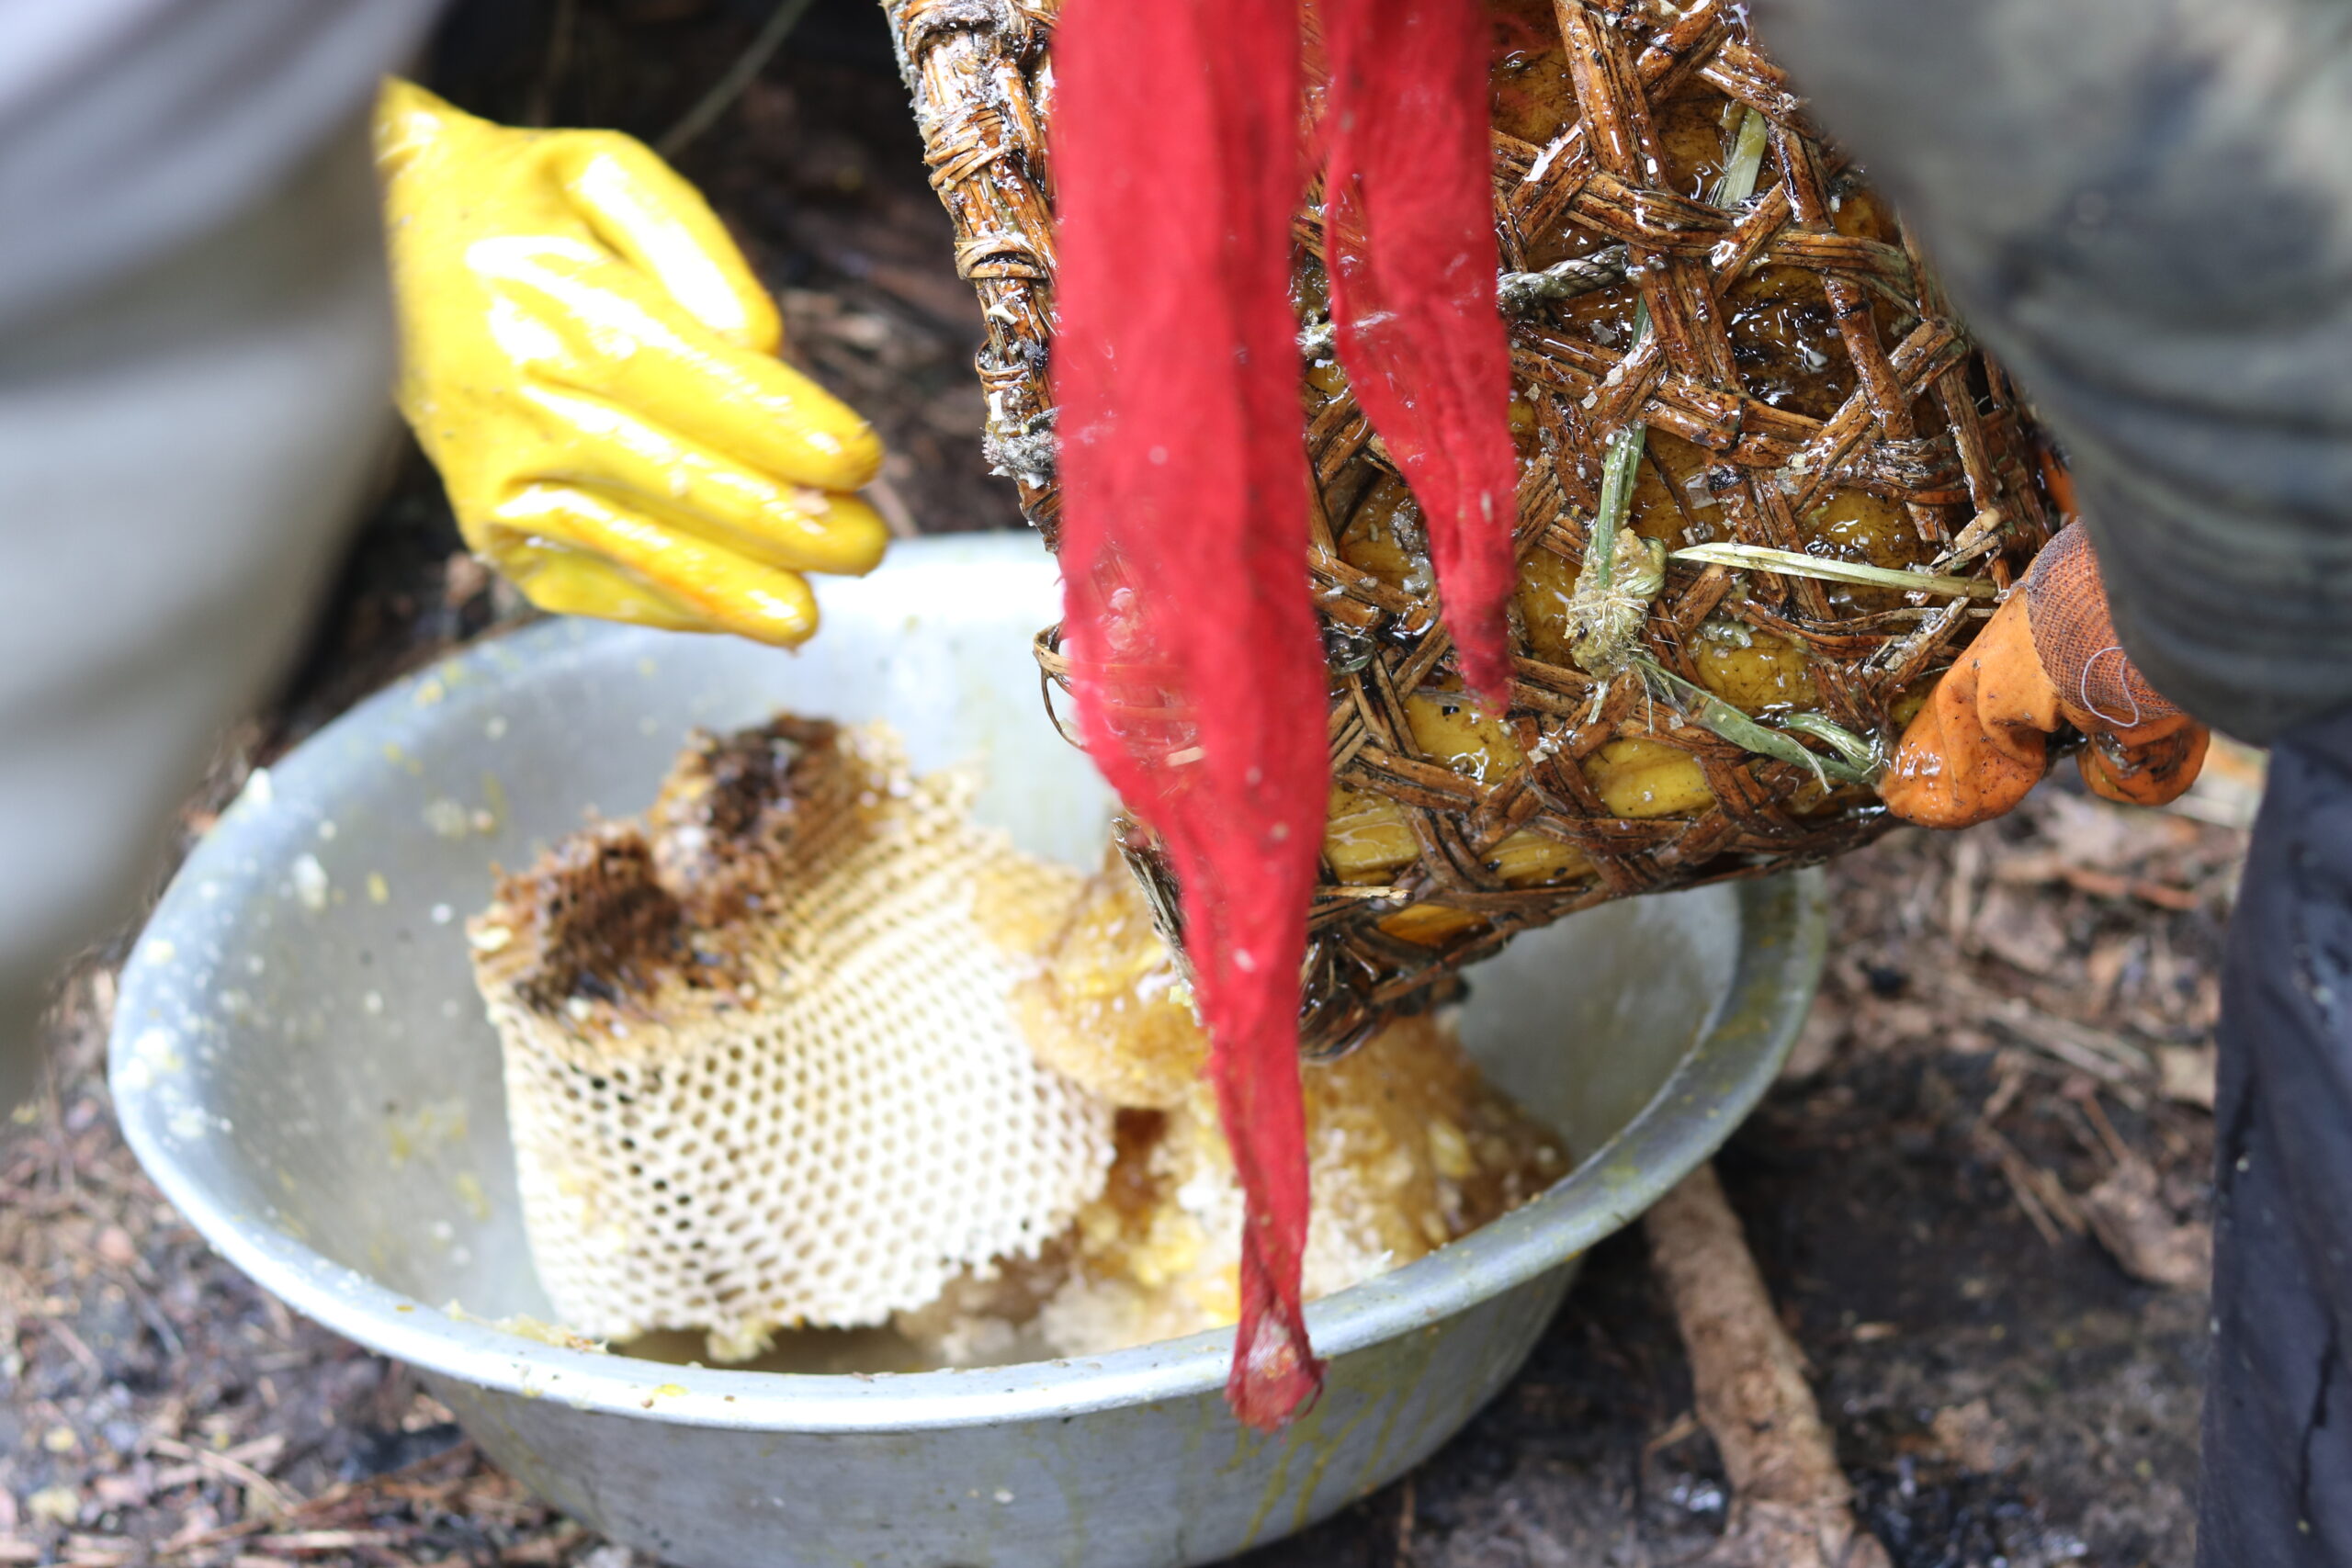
1979, 1194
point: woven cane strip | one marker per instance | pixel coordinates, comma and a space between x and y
1805, 385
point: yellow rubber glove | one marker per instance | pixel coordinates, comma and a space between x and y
592, 365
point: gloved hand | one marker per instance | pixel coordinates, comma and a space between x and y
592, 365
2049, 657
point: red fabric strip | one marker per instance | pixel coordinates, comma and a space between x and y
1412, 260
1195, 655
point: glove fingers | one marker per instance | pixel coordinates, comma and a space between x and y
639, 349
793, 527
724, 590
566, 581
2151, 766
1976, 749
1979, 743
760, 410
1948, 771
639, 206
2015, 701
409, 122
587, 357
2144, 750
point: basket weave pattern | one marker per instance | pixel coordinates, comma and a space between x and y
1889, 405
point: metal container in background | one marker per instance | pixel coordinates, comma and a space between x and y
300, 1060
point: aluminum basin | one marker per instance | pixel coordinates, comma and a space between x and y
301, 1063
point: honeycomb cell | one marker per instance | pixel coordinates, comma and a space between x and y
1366, 837
1638, 778
1454, 731
1755, 672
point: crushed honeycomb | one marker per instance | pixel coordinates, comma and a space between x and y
806, 1049
1104, 1002
1409, 1148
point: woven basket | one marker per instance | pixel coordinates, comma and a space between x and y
1800, 386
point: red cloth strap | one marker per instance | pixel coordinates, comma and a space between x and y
1412, 260
1178, 164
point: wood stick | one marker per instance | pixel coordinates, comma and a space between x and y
1792, 1505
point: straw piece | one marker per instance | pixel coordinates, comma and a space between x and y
1791, 563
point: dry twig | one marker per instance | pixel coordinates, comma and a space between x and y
262, 1495
729, 86
2042, 1197
1793, 1507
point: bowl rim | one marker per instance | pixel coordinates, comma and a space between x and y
1783, 943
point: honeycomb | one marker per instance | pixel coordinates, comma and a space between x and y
807, 1049
763, 1068
1409, 1148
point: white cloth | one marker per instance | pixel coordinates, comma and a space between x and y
195, 352
130, 126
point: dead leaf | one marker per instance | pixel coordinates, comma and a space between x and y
1959, 893
2019, 930
303, 1542
1972, 1437
2186, 1073
115, 1249
129, 1491
2135, 1226
2205, 1002
1886, 1022
2098, 836
464, 578
2228, 790
2103, 970
1963, 1041
543, 1551
1825, 1031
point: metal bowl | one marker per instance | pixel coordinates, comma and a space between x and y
300, 1062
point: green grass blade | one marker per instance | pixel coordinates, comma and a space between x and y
1844, 742
1718, 718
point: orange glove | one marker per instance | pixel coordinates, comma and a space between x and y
2049, 657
